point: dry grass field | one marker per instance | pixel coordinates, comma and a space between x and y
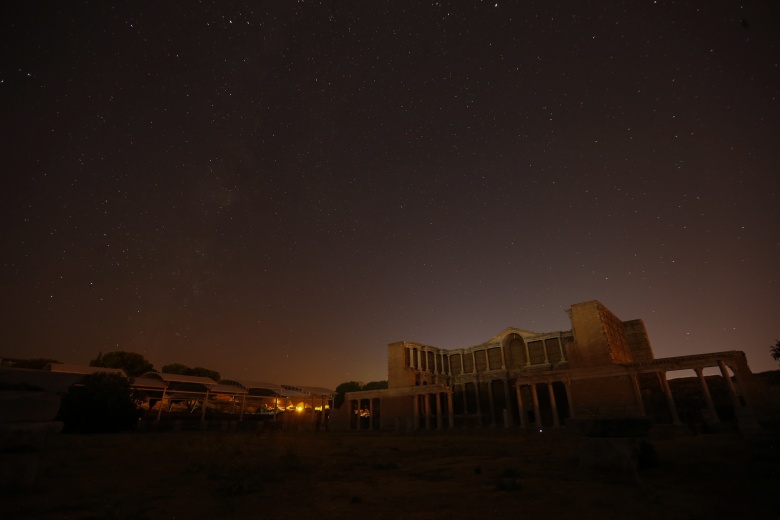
326, 475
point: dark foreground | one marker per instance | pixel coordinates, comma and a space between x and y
493, 474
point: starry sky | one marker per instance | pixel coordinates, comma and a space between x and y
277, 190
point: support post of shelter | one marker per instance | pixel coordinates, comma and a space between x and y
162, 400
203, 412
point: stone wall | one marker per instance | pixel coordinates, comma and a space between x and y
398, 372
638, 341
604, 397
601, 338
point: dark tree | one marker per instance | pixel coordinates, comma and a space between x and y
205, 372
775, 351
100, 403
342, 389
375, 385
176, 368
184, 370
132, 363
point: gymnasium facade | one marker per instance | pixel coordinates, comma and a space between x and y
602, 368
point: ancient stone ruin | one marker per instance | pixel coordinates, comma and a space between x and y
602, 370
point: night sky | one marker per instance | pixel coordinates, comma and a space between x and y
277, 190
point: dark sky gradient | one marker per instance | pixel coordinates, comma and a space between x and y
276, 190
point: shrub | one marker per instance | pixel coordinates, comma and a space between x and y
100, 403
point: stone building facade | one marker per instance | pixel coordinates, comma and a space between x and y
602, 367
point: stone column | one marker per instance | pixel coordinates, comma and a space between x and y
707, 397
556, 419
724, 371
560, 347
637, 393
537, 415
503, 355
474, 360
507, 400
450, 409
527, 353
569, 398
465, 400
439, 416
479, 404
371, 414
669, 398
427, 411
416, 412
492, 403
544, 349
520, 408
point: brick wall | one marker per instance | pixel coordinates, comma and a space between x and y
638, 342
602, 339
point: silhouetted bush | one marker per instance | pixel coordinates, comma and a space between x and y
100, 403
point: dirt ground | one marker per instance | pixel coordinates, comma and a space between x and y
326, 475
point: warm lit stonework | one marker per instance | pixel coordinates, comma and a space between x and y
599, 369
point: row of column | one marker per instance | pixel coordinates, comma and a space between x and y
537, 422
544, 350
477, 400
418, 355
705, 392
418, 358
427, 412
535, 399
664, 383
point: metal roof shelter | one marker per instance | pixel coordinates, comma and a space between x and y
82, 369
178, 380
160, 386
316, 391
177, 386
255, 388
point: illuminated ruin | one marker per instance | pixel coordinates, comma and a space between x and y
602, 368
